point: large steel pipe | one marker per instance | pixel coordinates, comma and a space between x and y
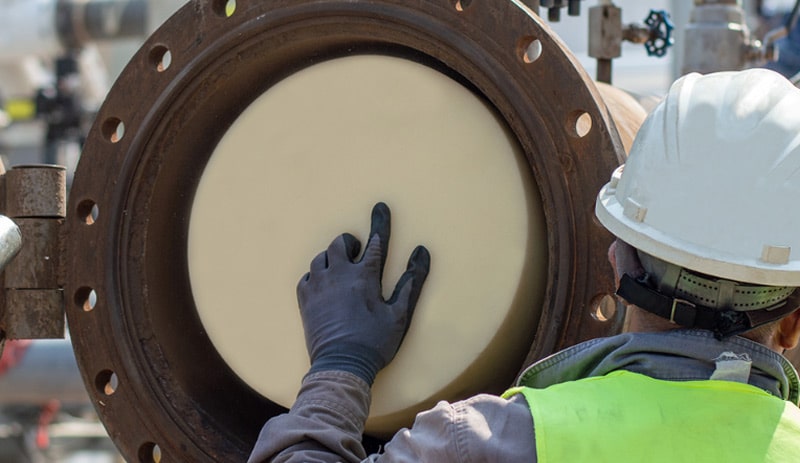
162, 383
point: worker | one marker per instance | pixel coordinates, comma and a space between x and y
707, 256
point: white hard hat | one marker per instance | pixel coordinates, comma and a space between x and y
713, 179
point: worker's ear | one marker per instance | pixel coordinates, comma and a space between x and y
624, 260
612, 259
788, 334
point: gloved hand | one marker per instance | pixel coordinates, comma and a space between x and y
348, 325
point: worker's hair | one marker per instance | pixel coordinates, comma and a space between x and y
647, 321
763, 333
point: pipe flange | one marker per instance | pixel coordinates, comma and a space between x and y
160, 387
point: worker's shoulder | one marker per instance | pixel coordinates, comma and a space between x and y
485, 427
485, 408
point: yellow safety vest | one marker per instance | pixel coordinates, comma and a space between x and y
628, 417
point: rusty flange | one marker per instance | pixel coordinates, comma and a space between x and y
160, 387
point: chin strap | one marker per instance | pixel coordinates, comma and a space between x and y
722, 322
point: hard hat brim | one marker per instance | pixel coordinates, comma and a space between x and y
636, 232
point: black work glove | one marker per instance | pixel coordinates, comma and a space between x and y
348, 325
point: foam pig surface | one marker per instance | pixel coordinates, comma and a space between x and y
306, 161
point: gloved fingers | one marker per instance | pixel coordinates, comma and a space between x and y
300, 290
319, 263
406, 292
378, 245
344, 248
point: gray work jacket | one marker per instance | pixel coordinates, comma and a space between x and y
327, 419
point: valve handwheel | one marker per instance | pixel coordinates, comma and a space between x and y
660, 33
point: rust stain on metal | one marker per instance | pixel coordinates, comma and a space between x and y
36, 265
36, 200
34, 314
36, 191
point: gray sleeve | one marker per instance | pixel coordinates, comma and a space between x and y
484, 428
326, 422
